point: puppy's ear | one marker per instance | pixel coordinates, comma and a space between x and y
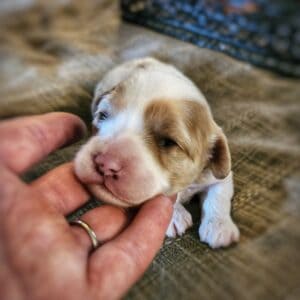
220, 160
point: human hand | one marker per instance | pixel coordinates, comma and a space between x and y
41, 255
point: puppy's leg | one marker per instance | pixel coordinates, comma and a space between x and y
181, 221
217, 228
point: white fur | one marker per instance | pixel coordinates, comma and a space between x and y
217, 228
161, 81
181, 221
126, 120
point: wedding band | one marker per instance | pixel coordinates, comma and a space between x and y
89, 231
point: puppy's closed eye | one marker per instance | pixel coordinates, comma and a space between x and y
166, 142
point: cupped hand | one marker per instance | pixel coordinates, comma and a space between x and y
41, 255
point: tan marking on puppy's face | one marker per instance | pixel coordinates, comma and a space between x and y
115, 96
178, 134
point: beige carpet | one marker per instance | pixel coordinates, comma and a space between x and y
51, 55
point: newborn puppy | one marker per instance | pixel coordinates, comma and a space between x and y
156, 135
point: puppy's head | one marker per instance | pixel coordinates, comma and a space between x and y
150, 139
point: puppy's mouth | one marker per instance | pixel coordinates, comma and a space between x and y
105, 195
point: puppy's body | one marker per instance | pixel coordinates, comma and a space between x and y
156, 134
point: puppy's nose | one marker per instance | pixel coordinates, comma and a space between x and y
107, 165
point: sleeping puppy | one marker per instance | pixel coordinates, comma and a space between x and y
156, 135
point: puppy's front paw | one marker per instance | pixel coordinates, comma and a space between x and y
217, 232
181, 221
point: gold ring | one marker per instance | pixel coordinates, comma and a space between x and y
89, 230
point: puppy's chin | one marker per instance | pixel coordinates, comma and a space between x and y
100, 191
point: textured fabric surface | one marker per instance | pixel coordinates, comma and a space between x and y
51, 56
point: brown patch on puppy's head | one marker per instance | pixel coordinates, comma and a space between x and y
185, 140
178, 133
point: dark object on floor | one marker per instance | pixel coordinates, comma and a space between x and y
265, 33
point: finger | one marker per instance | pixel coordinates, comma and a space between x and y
10, 287
106, 221
117, 265
25, 141
10, 189
61, 189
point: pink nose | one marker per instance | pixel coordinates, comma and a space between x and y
107, 165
